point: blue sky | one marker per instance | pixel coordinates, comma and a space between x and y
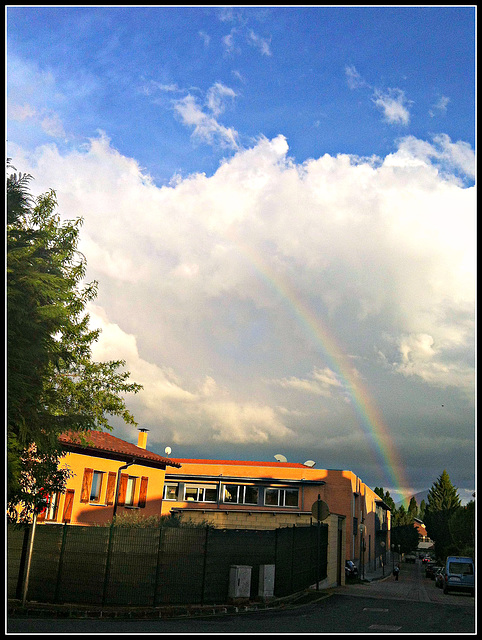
333, 145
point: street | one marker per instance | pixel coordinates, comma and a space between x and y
411, 605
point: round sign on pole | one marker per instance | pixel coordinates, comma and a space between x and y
320, 510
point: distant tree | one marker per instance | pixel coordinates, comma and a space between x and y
406, 536
462, 529
413, 508
421, 511
443, 502
53, 385
386, 497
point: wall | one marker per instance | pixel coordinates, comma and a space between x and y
343, 491
99, 513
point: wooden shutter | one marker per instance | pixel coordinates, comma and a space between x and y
69, 500
143, 492
111, 482
86, 485
122, 489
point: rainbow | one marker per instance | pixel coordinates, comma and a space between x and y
370, 418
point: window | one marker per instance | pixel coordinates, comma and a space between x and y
281, 497
240, 494
130, 491
51, 508
171, 491
200, 493
96, 486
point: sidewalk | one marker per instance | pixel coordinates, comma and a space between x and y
380, 573
47, 610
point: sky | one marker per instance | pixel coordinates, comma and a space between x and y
279, 209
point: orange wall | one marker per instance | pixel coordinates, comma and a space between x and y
91, 513
338, 492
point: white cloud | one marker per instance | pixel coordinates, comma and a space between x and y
205, 38
322, 382
206, 127
263, 44
393, 104
353, 78
194, 277
440, 107
164, 397
216, 98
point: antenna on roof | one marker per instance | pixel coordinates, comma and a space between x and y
280, 457
167, 450
309, 463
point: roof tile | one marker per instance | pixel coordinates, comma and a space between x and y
102, 441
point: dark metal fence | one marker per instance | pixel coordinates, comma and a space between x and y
152, 567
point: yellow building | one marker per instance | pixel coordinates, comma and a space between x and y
105, 466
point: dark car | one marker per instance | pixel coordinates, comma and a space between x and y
430, 570
351, 571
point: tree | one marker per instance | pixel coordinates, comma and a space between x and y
462, 529
412, 508
421, 511
386, 497
53, 385
405, 536
442, 502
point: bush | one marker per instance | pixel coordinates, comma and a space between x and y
136, 520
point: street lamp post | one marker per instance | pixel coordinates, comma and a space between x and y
362, 548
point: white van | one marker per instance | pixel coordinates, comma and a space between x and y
459, 574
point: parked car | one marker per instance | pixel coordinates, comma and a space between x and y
426, 559
430, 570
459, 574
439, 578
351, 570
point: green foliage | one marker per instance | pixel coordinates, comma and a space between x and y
443, 503
448, 524
53, 385
406, 536
461, 526
136, 520
386, 497
421, 510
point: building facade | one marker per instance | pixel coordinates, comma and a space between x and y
109, 477
241, 494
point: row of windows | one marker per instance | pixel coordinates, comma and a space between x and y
232, 494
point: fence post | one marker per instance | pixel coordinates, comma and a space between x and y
292, 557
107, 564
156, 584
61, 562
23, 559
204, 564
29, 559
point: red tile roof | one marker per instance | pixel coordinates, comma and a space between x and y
102, 441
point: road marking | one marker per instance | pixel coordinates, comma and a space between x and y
383, 627
374, 609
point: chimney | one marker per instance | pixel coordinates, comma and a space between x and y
142, 439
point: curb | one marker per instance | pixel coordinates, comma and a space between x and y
40, 610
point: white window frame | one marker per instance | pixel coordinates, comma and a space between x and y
200, 492
281, 502
171, 486
97, 485
130, 491
240, 494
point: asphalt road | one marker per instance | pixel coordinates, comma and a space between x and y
411, 605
